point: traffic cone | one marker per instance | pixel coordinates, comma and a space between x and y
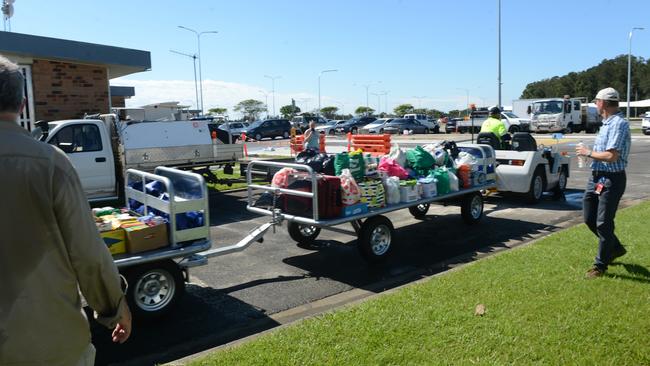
243, 138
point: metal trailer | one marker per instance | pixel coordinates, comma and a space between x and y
374, 231
155, 279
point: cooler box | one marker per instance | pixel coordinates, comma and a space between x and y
408, 194
144, 238
427, 190
115, 240
329, 198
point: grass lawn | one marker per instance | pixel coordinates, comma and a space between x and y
224, 187
539, 310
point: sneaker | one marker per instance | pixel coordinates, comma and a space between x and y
619, 252
594, 272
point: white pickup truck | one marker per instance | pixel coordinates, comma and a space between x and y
512, 122
101, 150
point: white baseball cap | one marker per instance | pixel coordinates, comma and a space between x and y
608, 94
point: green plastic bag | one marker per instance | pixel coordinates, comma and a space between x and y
341, 161
357, 165
419, 160
442, 177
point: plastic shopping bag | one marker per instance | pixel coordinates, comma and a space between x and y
392, 190
281, 178
398, 155
392, 168
350, 193
341, 161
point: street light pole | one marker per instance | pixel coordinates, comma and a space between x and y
273, 88
419, 100
499, 35
367, 86
266, 102
467, 94
196, 88
198, 41
629, 70
319, 75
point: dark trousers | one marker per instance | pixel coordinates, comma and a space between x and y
599, 211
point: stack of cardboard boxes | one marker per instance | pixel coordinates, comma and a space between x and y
123, 232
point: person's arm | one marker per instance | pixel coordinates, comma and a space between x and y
608, 156
501, 129
612, 148
95, 270
308, 134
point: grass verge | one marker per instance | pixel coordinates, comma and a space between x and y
539, 310
239, 183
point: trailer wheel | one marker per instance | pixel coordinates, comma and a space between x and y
536, 189
375, 238
154, 289
304, 235
419, 211
471, 208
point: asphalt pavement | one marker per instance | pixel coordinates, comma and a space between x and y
244, 293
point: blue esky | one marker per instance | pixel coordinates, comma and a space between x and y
431, 49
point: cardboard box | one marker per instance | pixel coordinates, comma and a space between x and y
115, 240
144, 238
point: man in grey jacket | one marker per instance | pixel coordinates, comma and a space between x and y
50, 249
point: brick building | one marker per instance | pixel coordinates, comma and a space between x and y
66, 79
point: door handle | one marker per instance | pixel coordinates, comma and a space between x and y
100, 160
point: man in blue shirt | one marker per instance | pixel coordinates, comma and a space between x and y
607, 182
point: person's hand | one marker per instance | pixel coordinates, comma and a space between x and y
582, 151
122, 330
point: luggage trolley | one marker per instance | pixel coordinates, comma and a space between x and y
374, 231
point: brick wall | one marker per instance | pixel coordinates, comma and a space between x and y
64, 90
118, 102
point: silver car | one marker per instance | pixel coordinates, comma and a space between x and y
330, 127
236, 128
376, 127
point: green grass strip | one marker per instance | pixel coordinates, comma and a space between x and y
539, 310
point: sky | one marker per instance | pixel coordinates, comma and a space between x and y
429, 53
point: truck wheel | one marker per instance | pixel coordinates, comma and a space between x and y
513, 129
569, 128
537, 184
471, 208
304, 235
375, 238
419, 211
154, 289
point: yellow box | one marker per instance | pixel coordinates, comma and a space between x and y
115, 240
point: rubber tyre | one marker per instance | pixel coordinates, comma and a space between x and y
354, 130
426, 131
381, 131
298, 233
154, 289
471, 208
331, 133
569, 128
537, 186
285, 135
559, 189
419, 211
375, 239
436, 130
258, 137
513, 129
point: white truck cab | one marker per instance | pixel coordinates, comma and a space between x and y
563, 115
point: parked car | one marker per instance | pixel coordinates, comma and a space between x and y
236, 128
302, 122
269, 128
376, 126
451, 124
330, 127
432, 125
645, 123
354, 124
399, 125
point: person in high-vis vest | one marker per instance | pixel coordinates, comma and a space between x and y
494, 124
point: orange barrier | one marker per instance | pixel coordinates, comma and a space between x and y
321, 142
374, 144
243, 139
297, 143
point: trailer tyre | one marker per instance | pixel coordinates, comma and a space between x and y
419, 211
471, 208
375, 239
304, 235
154, 289
537, 186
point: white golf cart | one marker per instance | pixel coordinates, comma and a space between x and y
524, 168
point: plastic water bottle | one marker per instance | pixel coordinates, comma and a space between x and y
582, 160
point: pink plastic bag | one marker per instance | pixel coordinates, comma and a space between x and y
281, 178
350, 193
392, 168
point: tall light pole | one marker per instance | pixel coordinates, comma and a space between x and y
467, 94
385, 93
379, 100
266, 102
319, 75
629, 70
273, 88
499, 35
367, 86
198, 41
196, 88
419, 100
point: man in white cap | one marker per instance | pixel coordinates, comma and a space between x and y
607, 182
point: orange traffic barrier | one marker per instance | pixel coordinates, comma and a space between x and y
297, 144
349, 134
374, 144
321, 142
243, 139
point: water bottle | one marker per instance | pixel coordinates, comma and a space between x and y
582, 160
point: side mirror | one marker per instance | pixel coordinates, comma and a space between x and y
529, 110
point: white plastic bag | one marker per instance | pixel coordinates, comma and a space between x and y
398, 154
350, 192
392, 190
465, 158
453, 181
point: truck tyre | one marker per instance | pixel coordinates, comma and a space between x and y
513, 129
471, 208
419, 211
258, 137
537, 186
569, 128
375, 239
154, 289
304, 235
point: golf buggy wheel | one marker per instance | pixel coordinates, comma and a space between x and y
561, 182
471, 208
419, 211
375, 239
304, 235
154, 289
258, 137
426, 131
537, 185
285, 134
513, 129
